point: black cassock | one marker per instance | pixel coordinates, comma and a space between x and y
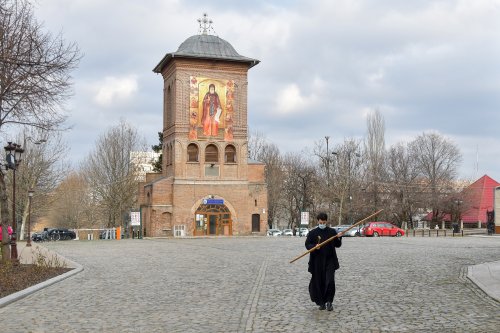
322, 264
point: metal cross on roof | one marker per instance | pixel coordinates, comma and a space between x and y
205, 24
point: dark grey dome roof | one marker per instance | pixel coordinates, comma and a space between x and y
205, 47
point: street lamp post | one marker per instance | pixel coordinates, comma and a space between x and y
13, 158
327, 163
456, 229
349, 218
30, 196
350, 181
330, 210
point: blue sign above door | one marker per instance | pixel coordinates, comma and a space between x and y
213, 201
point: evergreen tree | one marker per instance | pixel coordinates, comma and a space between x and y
158, 149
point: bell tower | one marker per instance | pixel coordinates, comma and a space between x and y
207, 186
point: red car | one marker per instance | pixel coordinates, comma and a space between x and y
376, 229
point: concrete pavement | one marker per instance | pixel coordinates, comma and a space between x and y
487, 277
241, 284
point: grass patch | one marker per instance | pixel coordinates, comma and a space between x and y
14, 278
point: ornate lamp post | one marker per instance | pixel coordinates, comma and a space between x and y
13, 158
30, 196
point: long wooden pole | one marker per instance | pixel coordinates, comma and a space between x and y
336, 236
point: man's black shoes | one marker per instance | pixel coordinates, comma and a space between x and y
328, 306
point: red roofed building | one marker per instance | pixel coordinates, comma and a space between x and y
480, 199
475, 201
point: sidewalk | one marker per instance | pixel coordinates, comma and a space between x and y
487, 277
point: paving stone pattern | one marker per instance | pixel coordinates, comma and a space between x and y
246, 284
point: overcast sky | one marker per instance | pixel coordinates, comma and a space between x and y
425, 65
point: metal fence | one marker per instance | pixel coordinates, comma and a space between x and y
444, 232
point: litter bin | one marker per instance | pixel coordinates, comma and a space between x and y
455, 228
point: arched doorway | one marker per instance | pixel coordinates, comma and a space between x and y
213, 219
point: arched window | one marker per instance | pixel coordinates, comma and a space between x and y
192, 151
169, 154
166, 157
211, 154
169, 107
230, 154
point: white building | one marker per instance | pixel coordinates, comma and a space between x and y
142, 162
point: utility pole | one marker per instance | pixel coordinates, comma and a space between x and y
327, 163
328, 191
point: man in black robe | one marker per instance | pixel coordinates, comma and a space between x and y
322, 263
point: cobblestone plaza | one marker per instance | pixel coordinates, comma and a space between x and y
246, 284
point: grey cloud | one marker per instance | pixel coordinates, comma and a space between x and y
424, 64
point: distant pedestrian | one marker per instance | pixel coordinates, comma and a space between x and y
323, 263
9, 231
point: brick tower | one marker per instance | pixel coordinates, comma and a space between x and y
208, 186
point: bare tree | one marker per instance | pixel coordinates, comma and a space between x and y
270, 155
110, 173
256, 144
374, 155
437, 159
348, 177
404, 186
34, 69
71, 203
4, 213
34, 79
42, 168
299, 186
324, 152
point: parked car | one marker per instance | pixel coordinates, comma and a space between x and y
287, 232
301, 231
277, 233
341, 227
354, 232
376, 229
274, 232
54, 234
39, 236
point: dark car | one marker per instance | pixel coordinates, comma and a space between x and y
377, 229
64, 234
39, 236
53, 234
